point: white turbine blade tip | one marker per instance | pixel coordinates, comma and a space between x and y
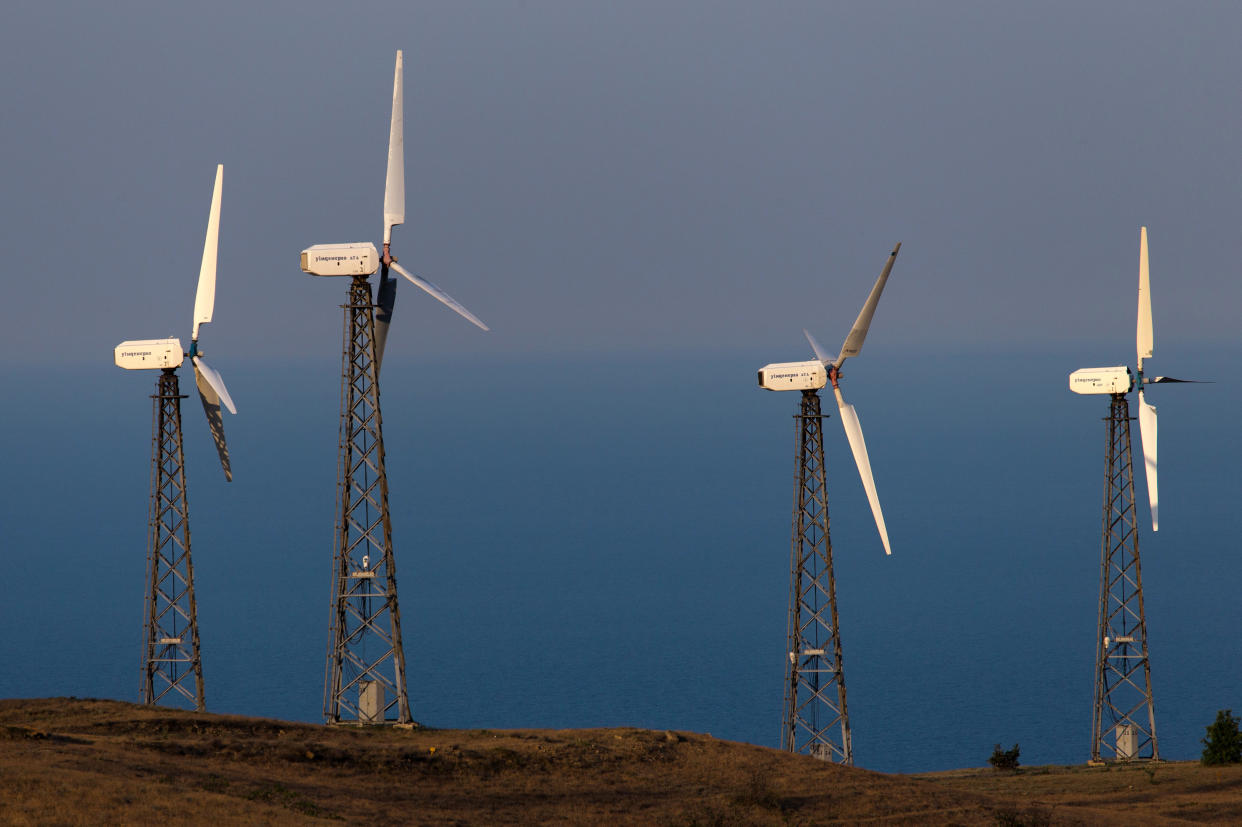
394, 184
853, 343
1148, 434
858, 445
1144, 336
216, 382
820, 354
439, 294
205, 297
210, 397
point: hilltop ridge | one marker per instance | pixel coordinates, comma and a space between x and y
69, 760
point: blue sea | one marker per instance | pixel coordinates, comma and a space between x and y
588, 541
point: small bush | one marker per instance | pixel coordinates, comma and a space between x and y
1006, 759
1223, 744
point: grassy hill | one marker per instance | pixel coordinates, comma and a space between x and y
90, 761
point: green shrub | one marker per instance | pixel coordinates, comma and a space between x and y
1223, 744
1004, 759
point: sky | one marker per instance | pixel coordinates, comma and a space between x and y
646, 201
606, 177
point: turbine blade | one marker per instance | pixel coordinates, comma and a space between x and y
394, 186
1158, 380
854, 341
440, 294
853, 432
1144, 334
820, 353
386, 298
215, 421
205, 298
213, 378
1147, 429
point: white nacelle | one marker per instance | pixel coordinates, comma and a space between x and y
793, 376
1101, 380
146, 354
340, 259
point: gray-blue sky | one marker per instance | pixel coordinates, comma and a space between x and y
607, 177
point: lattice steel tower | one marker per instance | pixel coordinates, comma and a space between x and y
365, 673
816, 720
1123, 719
171, 664
172, 669
1123, 715
365, 678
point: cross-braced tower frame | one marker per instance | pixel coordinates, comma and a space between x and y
815, 721
365, 679
1123, 717
172, 669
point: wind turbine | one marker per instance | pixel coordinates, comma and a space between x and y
170, 663
365, 673
814, 680
1123, 704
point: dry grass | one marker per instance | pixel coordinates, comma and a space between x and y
69, 761
1165, 793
